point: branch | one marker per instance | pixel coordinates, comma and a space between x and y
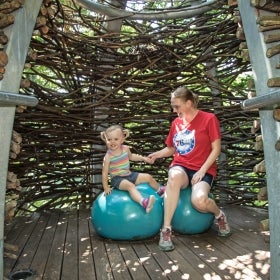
119, 13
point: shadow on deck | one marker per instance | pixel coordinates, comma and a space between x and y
63, 245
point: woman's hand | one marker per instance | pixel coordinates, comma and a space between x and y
197, 177
163, 153
152, 157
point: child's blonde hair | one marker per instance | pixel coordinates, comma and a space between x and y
103, 134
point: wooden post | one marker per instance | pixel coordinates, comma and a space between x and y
19, 35
264, 68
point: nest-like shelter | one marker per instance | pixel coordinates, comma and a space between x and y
90, 69
87, 76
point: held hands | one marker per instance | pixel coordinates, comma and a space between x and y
152, 158
148, 160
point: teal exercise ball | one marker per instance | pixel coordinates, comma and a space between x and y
116, 216
188, 220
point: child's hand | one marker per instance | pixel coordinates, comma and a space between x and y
107, 191
151, 159
148, 160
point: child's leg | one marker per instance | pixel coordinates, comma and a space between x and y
147, 178
125, 185
146, 203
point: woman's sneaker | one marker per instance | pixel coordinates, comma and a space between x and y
148, 203
224, 228
165, 243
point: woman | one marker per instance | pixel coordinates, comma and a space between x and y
194, 141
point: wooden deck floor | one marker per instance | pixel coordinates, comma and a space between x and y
63, 245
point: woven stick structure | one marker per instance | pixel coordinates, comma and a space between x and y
87, 78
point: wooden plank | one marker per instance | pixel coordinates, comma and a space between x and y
30, 248
42, 253
235, 250
54, 262
231, 242
148, 260
203, 256
249, 218
170, 267
86, 262
246, 244
192, 247
18, 234
70, 256
253, 263
117, 263
182, 263
247, 227
101, 261
133, 262
221, 263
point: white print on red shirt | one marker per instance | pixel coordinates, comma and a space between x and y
184, 141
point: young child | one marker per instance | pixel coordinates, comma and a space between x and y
116, 163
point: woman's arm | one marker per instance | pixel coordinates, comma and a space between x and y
165, 152
215, 152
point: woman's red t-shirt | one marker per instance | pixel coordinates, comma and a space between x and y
193, 142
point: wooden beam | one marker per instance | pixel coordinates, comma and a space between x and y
262, 101
187, 12
264, 68
19, 35
7, 98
